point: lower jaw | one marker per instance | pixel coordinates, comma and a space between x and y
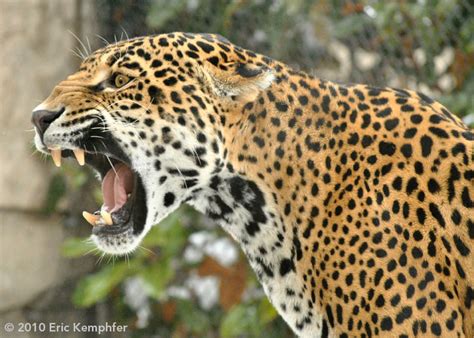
128, 219
124, 238
120, 244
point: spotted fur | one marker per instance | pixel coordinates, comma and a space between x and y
353, 204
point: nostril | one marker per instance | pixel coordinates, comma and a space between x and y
43, 118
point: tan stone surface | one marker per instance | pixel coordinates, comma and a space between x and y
30, 256
35, 54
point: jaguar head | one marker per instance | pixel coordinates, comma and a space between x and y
149, 116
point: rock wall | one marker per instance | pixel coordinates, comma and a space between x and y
36, 53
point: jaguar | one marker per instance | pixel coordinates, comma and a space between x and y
353, 204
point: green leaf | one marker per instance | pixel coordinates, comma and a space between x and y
170, 235
162, 11
97, 286
156, 278
266, 312
193, 318
240, 320
76, 247
350, 25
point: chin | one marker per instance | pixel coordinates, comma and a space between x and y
119, 244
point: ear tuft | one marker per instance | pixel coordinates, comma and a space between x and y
237, 80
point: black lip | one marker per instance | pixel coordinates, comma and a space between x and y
136, 205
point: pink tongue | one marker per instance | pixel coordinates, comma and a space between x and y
115, 187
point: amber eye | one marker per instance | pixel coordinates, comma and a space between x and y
121, 80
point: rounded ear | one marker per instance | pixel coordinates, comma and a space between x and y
236, 80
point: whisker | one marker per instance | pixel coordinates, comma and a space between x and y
93, 250
181, 175
76, 54
99, 260
79, 40
103, 39
89, 45
147, 250
126, 34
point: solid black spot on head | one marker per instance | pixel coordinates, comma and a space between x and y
386, 324
436, 329
281, 136
163, 42
281, 106
161, 72
426, 144
406, 150
407, 108
416, 118
156, 94
412, 185
171, 81
182, 120
391, 124
387, 148
439, 132
367, 141
156, 64
279, 183
275, 121
201, 138
380, 301
149, 122
175, 97
303, 100
410, 133
260, 142
205, 46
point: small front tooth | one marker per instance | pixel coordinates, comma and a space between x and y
107, 217
56, 155
79, 153
90, 218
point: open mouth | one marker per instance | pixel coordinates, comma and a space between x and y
124, 201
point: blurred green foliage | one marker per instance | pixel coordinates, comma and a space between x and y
407, 40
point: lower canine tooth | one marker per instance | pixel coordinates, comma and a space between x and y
56, 155
79, 153
106, 217
90, 218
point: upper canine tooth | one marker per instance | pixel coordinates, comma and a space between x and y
90, 218
56, 155
79, 153
107, 217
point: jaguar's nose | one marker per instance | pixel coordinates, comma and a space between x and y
43, 118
